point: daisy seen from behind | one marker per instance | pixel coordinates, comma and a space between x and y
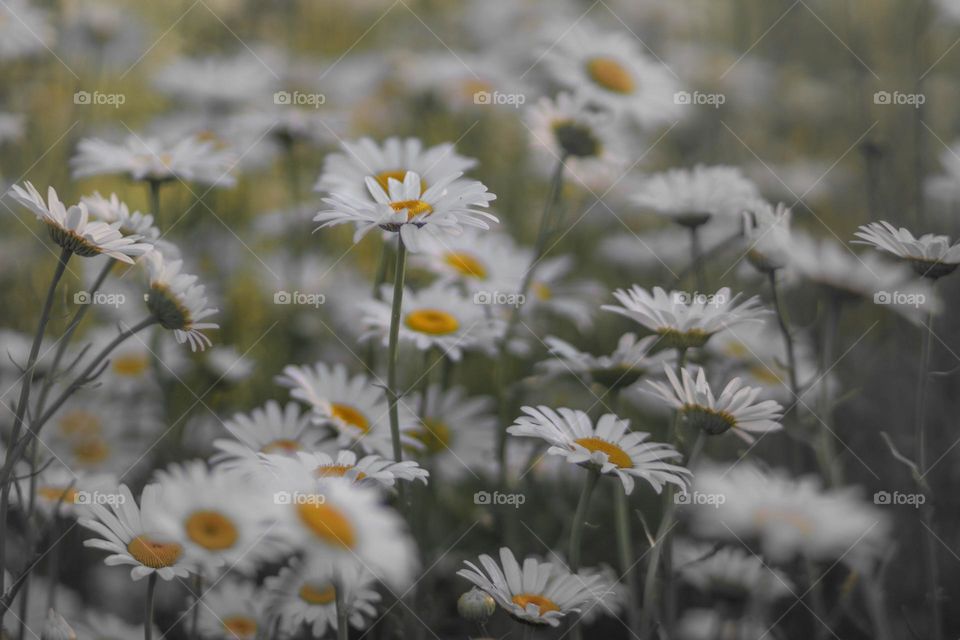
931, 256
178, 302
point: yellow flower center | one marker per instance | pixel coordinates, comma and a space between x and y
432, 321
466, 264
383, 179
154, 554
615, 454
317, 594
413, 208
281, 445
328, 523
67, 495
611, 75
240, 627
350, 415
765, 515
542, 603
766, 375
542, 291
434, 435
337, 471
131, 365
91, 451
211, 530
79, 423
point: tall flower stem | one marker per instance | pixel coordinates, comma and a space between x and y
154, 194
696, 255
825, 447
576, 532
195, 614
393, 393
343, 629
621, 503
148, 607
787, 335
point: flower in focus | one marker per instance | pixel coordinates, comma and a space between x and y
691, 197
178, 303
232, 610
268, 429
609, 447
931, 256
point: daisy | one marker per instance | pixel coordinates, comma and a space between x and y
372, 470
691, 197
72, 229
132, 535
217, 82
682, 319
404, 206
177, 302
609, 447
190, 159
347, 172
63, 492
353, 406
24, 30
479, 262
931, 256
540, 593
105, 626
607, 68
766, 229
113, 210
666, 248
630, 361
729, 573
268, 429
217, 514
736, 408
304, 595
436, 317
233, 610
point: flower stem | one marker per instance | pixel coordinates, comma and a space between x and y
154, 187
392, 387
343, 630
148, 607
787, 336
825, 447
696, 254
576, 533
195, 618
621, 504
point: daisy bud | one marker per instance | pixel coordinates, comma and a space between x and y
476, 605
56, 628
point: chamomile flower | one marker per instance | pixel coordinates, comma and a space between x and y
930, 255
371, 469
729, 574
233, 610
479, 262
61, 491
71, 228
190, 159
268, 429
178, 303
609, 447
766, 230
113, 210
436, 317
404, 206
609, 69
691, 197
682, 319
353, 406
735, 409
539, 593
134, 535
628, 363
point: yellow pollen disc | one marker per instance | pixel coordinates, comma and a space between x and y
58, 494
328, 523
413, 208
211, 530
544, 604
611, 75
432, 321
154, 554
766, 375
282, 445
130, 366
350, 415
240, 627
542, 291
383, 179
466, 265
91, 451
79, 423
313, 594
434, 435
615, 454
337, 471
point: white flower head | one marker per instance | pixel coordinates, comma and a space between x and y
369, 470
113, 210
233, 610
766, 231
631, 360
930, 255
178, 303
691, 197
268, 429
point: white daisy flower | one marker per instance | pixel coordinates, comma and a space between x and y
609, 447
691, 197
540, 593
134, 535
930, 255
71, 228
628, 363
114, 210
370, 470
663, 249
353, 406
178, 303
729, 573
406, 207
480, 262
436, 317
766, 230
609, 69
106, 626
268, 429
233, 610
683, 319
190, 159
217, 82
735, 409
64, 492
304, 595
347, 172
25, 30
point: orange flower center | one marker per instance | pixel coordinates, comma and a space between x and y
466, 264
154, 554
350, 415
79, 423
611, 75
240, 627
615, 454
413, 208
542, 603
383, 179
432, 321
211, 530
317, 594
67, 495
130, 365
328, 523
281, 445
91, 451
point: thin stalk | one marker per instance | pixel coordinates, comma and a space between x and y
787, 335
392, 385
343, 630
576, 534
825, 446
154, 194
148, 607
819, 608
696, 254
195, 614
621, 504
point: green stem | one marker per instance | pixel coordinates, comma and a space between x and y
787, 336
392, 385
825, 448
148, 607
576, 534
195, 614
625, 552
343, 629
154, 189
696, 254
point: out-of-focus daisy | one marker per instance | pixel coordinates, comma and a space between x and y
114, 210
691, 197
104, 34
404, 206
105, 626
611, 599
371, 469
540, 593
729, 574
218, 83
587, 140
607, 68
304, 595
436, 317
664, 248
61, 491
228, 364
347, 172
71, 228
711, 624
735, 409
609, 447
11, 127
628, 362
233, 610
931, 256
178, 303
353, 406
766, 231
133, 535
683, 319
268, 429
153, 160
480, 262
24, 30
